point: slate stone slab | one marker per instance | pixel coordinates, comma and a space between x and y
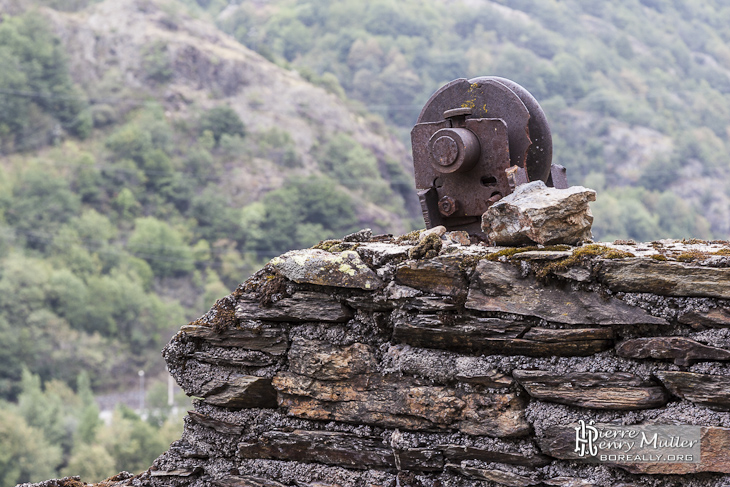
324, 361
497, 336
338, 448
460, 453
500, 477
440, 275
302, 306
499, 287
714, 318
401, 402
560, 442
680, 349
261, 336
618, 391
712, 391
245, 481
665, 278
223, 427
239, 392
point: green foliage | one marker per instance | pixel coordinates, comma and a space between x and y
92, 462
25, 454
278, 146
299, 214
156, 63
222, 120
655, 64
40, 205
131, 441
52, 427
161, 246
36, 90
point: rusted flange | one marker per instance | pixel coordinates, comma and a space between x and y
473, 142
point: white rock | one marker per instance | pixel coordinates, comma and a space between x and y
535, 213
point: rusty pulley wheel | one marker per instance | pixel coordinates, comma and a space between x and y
474, 141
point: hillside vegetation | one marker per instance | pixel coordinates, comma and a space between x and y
151, 162
637, 92
149, 165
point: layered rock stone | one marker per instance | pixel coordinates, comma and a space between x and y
534, 213
428, 361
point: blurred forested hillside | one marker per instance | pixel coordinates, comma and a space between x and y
149, 163
637, 92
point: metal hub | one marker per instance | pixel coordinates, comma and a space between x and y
474, 141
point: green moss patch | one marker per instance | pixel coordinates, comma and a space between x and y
582, 255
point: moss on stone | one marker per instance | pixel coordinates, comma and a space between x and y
327, 245
273, 286
408, 237
691, 256
694, 241
427, 248
509, 252
469, 262
580, 256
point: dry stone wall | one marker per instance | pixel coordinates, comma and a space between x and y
428, 361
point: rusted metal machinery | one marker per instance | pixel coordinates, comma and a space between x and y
474, 142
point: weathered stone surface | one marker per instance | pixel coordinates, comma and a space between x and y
223, 427
680, 349
536, 213
459, 237
180, 472
559, 442
620, 391
401, 403
249, 359
665, 278
499, 476
491, 378
429, 304
497, 336
542, 255
265, 337
323, 361
497, 286
184, 449
382, 253
239, 392
575, 273
338, 448
569, 482
314, 266
440, 275
460, 453
553, 335
302, 306
714, 445
245, 481
493, 414
712, 391
715, 317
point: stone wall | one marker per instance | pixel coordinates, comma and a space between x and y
430, 362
